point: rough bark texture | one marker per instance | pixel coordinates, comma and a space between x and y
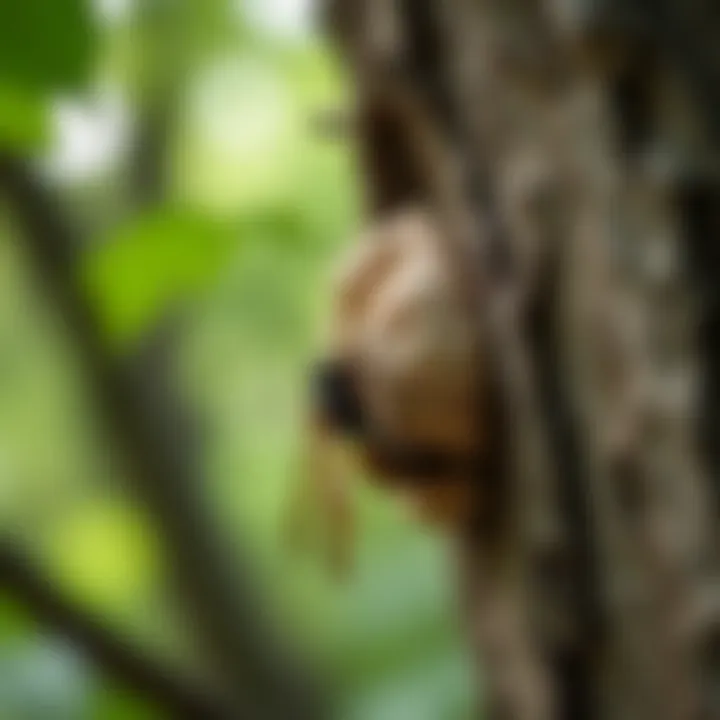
571, 148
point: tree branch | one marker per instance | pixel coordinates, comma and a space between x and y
180, 696
219, 602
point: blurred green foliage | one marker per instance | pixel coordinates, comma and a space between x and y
23, 117
149, 265
46, 46
254, 209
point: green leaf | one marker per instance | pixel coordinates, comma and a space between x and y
23, 119
114, 703
150, 266
104, 554
46, 45
15, 626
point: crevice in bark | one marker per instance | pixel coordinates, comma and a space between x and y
575, 666
698, 200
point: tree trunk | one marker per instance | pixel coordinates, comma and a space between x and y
572, 148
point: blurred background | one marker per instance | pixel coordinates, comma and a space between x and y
179, 140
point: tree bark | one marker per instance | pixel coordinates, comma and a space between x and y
571, 148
